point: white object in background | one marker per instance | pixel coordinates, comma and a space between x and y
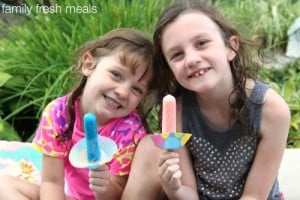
289, 174
293, 47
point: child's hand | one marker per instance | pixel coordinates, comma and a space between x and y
169, 170
99, 179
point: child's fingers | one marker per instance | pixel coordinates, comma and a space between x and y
174, 180
171, 177
99, 188
169, 169
166, 155
101, 168
99, 179
168, 165
168, 172
101, 172
165, 164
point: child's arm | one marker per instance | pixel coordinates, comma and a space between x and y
274, 132
52, 186
106, 186
177, 175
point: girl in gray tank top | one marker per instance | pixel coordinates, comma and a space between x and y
222, 158
239, 125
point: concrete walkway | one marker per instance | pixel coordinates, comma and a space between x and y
289, 174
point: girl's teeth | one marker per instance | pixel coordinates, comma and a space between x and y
199, 73
113, 103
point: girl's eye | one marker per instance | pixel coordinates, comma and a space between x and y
176, 55
201, 43
116, 75
137, 90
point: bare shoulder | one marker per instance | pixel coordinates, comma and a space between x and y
275, 114
276, 107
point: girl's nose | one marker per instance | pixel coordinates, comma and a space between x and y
122, 91
192, 59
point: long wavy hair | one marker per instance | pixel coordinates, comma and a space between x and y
243, 66
135, 49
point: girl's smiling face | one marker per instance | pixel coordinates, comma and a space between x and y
112, 90
196, 53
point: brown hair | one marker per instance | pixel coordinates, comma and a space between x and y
242, 66
135, 50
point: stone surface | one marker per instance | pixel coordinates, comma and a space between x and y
289, 174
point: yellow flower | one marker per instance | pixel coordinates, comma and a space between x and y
26, 167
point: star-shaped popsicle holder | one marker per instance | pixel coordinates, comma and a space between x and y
169, 139
93, 150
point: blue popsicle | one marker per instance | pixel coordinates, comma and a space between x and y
92, 143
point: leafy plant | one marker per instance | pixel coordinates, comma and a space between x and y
7, 132
286, 82
266, 21
40, 63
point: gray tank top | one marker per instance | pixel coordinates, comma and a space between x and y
222, 158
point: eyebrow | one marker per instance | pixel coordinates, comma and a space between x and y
196, 37
120, 67
125, 69
169, 51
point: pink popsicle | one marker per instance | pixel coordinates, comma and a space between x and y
169, 114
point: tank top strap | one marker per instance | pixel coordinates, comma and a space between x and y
255, 103
258, 93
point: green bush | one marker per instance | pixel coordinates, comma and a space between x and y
266, 21
286, 82
7, 132
38, 55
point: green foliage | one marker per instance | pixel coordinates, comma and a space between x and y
286, 82
153, 121
266, 21
7, 132
4, 77
39, 54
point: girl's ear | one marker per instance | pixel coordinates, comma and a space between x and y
87, 64
234, 42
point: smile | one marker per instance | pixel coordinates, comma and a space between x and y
112, 103
199, 73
